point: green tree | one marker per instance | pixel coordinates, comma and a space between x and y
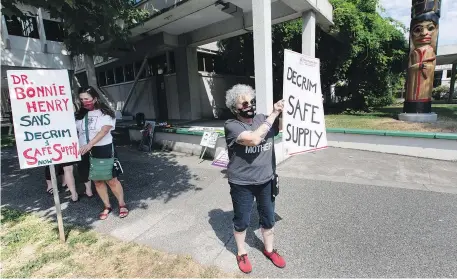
364, 53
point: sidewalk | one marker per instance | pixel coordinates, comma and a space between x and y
335, 217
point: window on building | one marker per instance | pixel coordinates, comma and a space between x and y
119, 74
24, 26
101, 79
448, 74
110, 77
53, 30
437, 78
128, 70
137, 69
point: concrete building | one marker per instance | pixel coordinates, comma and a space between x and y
33, 41
446, 60
168, 75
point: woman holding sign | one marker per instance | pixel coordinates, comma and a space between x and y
94, 122
251, 169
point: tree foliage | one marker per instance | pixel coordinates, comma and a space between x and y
364, 53
92, 27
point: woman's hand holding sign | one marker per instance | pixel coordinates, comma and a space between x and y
279, 107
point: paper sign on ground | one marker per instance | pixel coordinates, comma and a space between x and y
303, 115
43, 117
209, 139
221, 160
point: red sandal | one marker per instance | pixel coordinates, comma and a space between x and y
123, 213
104, 215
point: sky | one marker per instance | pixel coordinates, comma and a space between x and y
401, 11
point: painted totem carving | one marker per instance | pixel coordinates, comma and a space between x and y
425, 15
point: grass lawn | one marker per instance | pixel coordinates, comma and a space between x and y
31, 248
386, 119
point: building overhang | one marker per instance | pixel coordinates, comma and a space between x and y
198, 22
446, 54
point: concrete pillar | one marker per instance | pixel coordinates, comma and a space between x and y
308, 37
41, 31
188, 82
261, 13
452, 87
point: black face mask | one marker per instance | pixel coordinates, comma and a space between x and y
247, 113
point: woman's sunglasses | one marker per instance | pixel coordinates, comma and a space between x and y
246, 104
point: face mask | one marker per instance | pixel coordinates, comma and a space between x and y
247, 113
89, 105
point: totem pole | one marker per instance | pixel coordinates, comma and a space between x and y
425, 15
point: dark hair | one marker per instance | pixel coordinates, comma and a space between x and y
106, 110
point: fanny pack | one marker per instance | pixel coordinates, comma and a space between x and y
101, 169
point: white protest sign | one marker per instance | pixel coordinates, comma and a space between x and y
303, 115
43, 117
209, 139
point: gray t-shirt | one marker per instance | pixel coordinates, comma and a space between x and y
249, 165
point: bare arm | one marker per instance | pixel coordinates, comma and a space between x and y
253, 138
104, 130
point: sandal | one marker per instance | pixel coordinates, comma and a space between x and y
50, 191
123, 213
104, 215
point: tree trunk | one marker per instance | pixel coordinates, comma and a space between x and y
92, 78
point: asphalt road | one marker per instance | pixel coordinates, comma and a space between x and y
340, 213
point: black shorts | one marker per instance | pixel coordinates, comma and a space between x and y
104, 151
59, 170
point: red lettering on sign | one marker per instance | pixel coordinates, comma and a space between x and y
19, 93
30, 160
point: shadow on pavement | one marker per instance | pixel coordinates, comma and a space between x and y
221, 222
147, 176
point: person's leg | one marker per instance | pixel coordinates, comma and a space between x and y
70, 181
47, 175
116, 187
88, 192
242, 199
102, 191
266, 209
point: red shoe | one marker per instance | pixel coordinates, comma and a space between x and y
275, 258
243, 263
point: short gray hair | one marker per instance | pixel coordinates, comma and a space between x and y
234, 93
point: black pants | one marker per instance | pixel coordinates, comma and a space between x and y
243, 199
104, 151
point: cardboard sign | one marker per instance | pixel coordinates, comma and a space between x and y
209, 139
303, 115
221, 160
43, 117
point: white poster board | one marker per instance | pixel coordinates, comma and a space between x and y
209, 139
43, 117
303, 115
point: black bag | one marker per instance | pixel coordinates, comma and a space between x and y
275, 181
275, 186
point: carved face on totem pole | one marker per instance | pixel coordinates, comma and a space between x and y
422, 57
424, 33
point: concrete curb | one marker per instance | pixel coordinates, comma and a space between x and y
391, 133
439, 146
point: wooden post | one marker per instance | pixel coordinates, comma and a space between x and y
57, 203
